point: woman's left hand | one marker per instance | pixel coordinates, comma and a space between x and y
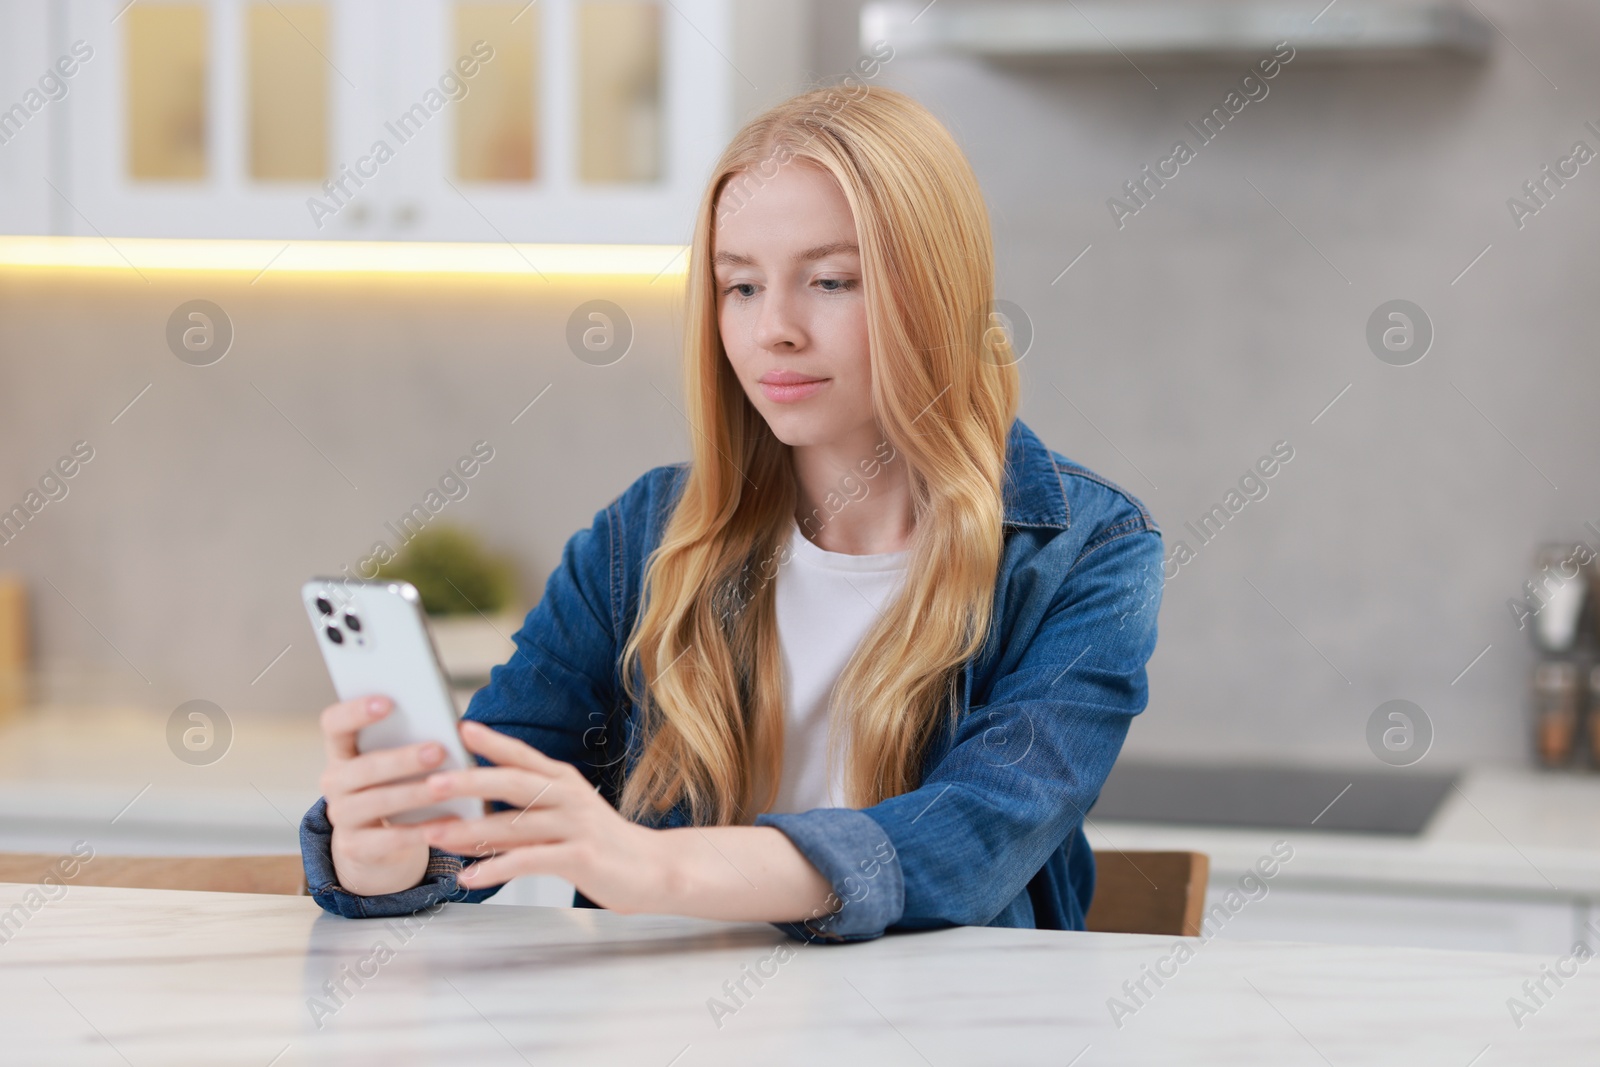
558, 824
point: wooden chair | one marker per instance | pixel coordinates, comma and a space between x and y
216, 874
1149, 893
1135, 892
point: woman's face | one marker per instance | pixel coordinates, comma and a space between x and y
790, 306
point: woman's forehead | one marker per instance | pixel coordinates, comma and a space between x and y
798, 213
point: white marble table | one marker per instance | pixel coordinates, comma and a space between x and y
142, 977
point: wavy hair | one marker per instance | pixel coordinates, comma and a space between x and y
944, 392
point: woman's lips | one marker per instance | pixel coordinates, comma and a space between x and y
788, 393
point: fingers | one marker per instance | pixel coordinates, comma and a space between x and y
378, 767
532, 859
353, 810
499, 832
513, 785
507, 750
341, 722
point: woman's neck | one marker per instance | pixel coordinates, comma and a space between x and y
849, 499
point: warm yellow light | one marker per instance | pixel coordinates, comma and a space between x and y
147, 255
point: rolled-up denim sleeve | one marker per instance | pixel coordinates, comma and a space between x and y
438, 882
1021, 771
855, 855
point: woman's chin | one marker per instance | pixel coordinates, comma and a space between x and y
799, 429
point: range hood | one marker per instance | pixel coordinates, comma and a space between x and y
1076, 31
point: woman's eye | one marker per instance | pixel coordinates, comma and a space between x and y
835, 285
744, 290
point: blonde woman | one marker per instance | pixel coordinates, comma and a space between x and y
865, 661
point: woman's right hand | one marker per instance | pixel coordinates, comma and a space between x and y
371, 857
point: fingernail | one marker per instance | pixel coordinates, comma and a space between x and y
432, 752
375, 706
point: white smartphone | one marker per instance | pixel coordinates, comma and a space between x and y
374, 638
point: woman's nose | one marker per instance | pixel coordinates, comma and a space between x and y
778, 326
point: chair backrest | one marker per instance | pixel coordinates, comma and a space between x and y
216, 874
1149, 893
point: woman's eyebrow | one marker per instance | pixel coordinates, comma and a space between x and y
823, 251
818, 252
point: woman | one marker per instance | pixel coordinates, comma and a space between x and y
863, 663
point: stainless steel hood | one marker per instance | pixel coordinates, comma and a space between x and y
1077, 31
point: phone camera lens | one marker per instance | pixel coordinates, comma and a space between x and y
335, 635
324, 606
352, 622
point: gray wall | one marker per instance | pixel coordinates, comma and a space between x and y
1208, 328
1189, 342
184, 541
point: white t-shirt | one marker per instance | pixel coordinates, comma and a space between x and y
826, 602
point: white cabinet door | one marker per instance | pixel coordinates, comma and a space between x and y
675, 126
179, 128
167, 127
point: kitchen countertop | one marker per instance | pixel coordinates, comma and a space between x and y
106, 774
210, 978
1518, 834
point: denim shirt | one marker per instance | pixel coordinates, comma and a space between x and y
994, 834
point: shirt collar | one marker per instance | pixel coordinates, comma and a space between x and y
1033, 494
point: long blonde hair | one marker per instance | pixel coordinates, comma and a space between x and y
944, 390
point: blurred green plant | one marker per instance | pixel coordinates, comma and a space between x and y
453, 572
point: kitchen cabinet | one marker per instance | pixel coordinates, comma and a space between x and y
561, 121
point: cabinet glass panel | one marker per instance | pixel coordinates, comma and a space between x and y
288, 90
166, 91
619, 91
497, 128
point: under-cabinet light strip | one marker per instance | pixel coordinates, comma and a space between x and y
145, 254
